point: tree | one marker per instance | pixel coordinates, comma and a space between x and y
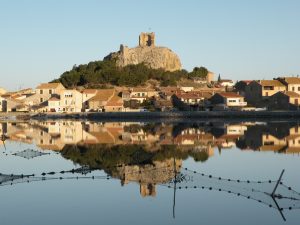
219, 78
200, 72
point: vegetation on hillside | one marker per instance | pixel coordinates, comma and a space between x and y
102, 73
108, 157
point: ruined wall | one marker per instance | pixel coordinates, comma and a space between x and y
147, 40
153, 56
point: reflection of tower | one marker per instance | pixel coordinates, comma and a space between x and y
148, 175
148, 190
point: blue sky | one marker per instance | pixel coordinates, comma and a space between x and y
239, 39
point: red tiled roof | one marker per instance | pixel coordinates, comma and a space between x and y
48, 86
230, 95
291, 94
53, 99
271, 83
291, 80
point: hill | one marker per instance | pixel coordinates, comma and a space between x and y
100, 74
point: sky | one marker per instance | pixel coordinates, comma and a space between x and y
239, 39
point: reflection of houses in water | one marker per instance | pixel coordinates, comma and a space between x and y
148, 175
285, 141
226, 136
276, 137
196, 140
202, 137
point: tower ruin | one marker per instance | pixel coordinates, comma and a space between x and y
147, 39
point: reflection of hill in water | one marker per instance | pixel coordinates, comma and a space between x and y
133, 163
108, 157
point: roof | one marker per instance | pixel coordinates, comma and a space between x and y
246, 81
169, 89
229, 95
49, 86
115, 101
291, 80
271, 83
89, 91
142, 89
103, 95
194, 95
53, 99
291, 94
225, 80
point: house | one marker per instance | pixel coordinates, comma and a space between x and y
287, 100
71, 101
226, 83
43, 93
167, 92
89, 93
291, 83
190, 100
53, 104
227, 100
114, 104
163, 105
14, 105
241, 85
140, 94
186, 88
257, 91
49, 88
99, 100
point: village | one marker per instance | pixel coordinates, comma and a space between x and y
282, 93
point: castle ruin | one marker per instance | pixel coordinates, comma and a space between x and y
147, 39
146, 52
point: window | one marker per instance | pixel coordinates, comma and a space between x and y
41, 92
298, 88
293, 88
41, 99
267, 93
268, 87
50, 92
231, 100
269, 143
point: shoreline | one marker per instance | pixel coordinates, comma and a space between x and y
180, 116
174, 116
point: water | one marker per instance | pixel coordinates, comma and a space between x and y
113, 173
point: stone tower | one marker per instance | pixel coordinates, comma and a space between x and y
147, 40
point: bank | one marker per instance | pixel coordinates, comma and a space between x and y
170, 116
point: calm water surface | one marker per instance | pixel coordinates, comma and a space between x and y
70, 172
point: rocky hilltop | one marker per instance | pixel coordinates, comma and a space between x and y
153, 56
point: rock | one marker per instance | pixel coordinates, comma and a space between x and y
154, 57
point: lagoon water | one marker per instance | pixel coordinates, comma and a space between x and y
75, 172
